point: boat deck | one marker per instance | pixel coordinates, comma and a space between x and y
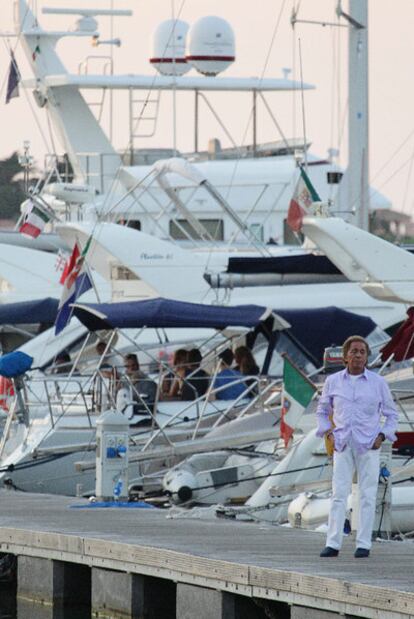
249, 559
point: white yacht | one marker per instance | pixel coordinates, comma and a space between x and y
258, 182
240, 198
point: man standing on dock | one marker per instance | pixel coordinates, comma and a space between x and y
356, 398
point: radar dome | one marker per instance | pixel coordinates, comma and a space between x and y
211, 47
168, 55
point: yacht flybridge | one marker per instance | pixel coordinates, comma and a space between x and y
257, 180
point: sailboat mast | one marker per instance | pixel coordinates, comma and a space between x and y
358, 169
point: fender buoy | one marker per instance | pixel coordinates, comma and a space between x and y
6, 391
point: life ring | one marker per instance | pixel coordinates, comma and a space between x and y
6, 392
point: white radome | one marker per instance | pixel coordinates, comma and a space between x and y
211, 45
168, 48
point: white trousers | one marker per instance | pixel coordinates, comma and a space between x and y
367, 467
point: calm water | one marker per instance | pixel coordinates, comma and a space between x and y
7, 602
20, 609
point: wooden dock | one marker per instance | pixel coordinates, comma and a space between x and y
200, 568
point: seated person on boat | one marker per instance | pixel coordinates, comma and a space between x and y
141, 389
62, 363
196, 380
247, 366
227, 376
172, 383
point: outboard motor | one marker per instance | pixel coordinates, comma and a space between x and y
332, 359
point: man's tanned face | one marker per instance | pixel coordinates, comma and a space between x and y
356, 357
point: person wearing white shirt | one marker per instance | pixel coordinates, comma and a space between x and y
356, 399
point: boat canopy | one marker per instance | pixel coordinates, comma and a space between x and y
167, 313
311, 330
29, 312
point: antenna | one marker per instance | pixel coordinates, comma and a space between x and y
87, 24
87, 12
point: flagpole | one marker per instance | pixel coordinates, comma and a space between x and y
92, 282
305, 154
88, 270
44, 206
78, 280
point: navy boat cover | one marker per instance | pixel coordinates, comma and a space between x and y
164, 313
316, 329
312, 329
29, 312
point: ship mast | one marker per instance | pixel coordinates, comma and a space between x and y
358, 167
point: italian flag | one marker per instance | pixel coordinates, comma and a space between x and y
34, 220
297, 392
303, 196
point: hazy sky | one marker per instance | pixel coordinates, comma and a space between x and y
324, 55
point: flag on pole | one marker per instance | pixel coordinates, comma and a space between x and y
297, 392
70, 264
62, 260
34, 219
35, 52
302, 198
13, 79
401, 345
76, 282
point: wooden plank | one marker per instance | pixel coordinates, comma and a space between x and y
341, 608
263, 561
42, 539
169, 559
333, 589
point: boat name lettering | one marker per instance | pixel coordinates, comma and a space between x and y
145, 256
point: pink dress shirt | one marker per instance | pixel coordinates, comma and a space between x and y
357, 406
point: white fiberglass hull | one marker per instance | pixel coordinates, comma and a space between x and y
310, 511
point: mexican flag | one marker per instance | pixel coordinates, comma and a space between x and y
34, 219
302, 198
297, 392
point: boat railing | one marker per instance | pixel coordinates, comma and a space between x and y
137, 398
227, 413
152, 412
7, 427
401, 397
61, 395
101, 65
246, 395
50, 393
100, 168
260, 387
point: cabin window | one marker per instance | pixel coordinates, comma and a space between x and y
121, 272
286, 345
181, 229
257, 231
135, 224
